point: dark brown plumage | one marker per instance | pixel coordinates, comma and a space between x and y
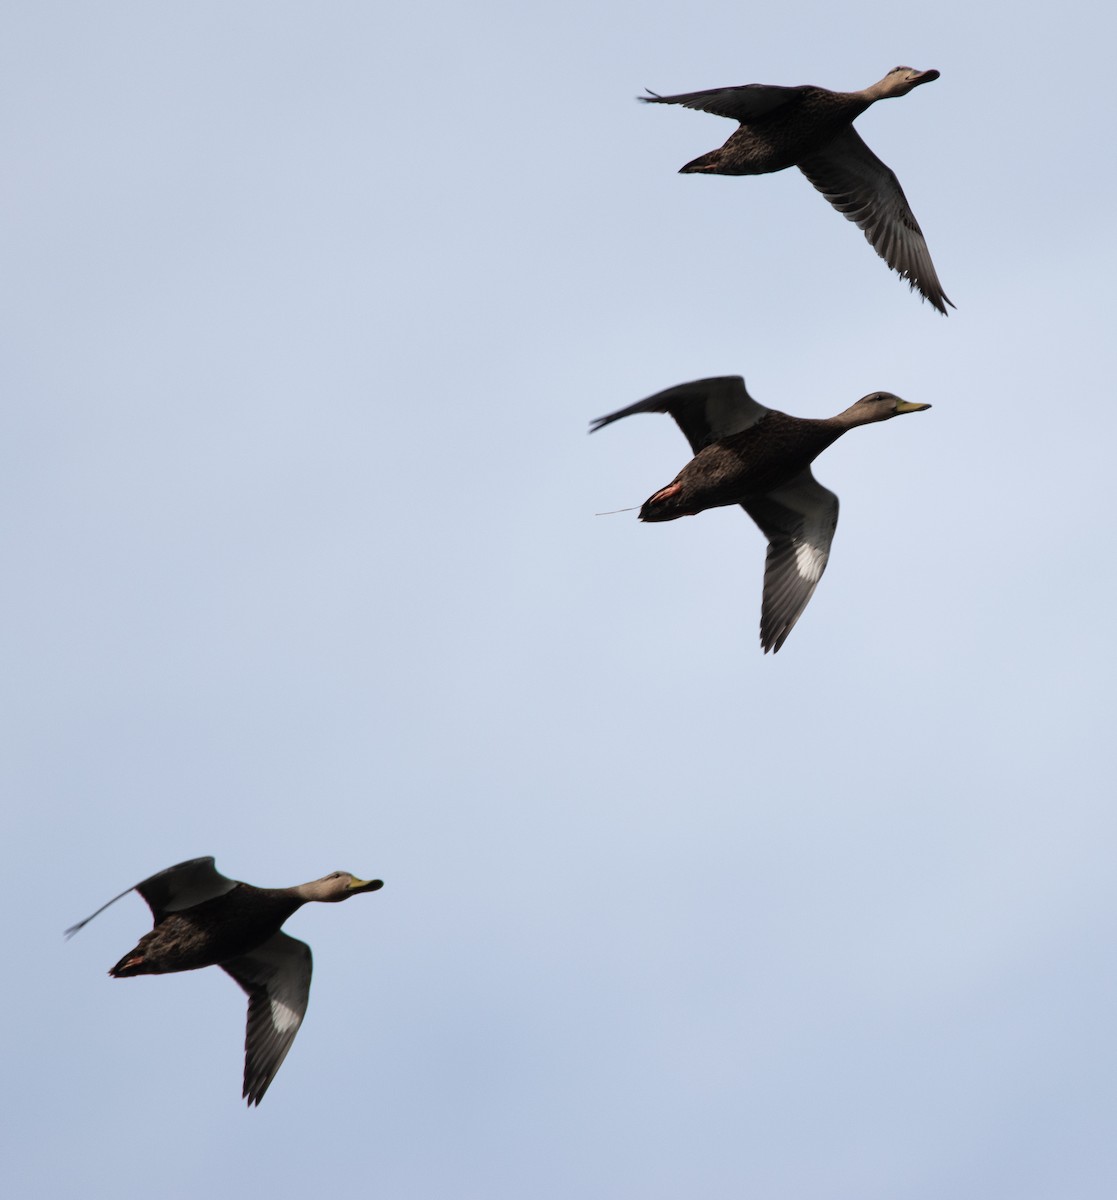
759, 458
812, 128
204, 919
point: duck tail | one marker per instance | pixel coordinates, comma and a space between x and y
709, 164
131, 964
665, 505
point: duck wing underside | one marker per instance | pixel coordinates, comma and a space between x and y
868, 193
276, 977
798, 520
183, 886
704, 409
177, 888
745, 103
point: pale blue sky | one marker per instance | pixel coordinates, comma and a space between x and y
307, 310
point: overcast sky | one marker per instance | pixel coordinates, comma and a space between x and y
307, 308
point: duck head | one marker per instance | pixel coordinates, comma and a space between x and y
338, 885
878, 406
900, 80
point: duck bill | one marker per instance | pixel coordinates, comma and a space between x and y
906, 406
926, 76
365, 885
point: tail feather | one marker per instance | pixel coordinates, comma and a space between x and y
665, 505
708, 163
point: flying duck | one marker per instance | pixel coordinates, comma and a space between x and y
203, 919
759, 458
812, 128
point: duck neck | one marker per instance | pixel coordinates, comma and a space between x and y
285, 900
852, 104
826, 431
303, 893
883, 89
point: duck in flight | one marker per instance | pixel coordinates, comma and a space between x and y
759, 458
812, 128
203, 919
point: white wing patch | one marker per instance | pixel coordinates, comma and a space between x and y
283, 1016
809, 562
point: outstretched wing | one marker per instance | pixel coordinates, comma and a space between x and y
182, 886
174, 889
746, 103
798, 520
868, 193
705, 409
276, 976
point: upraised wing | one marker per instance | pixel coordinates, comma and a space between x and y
276, 976
173, 890
798, 520
868, 193
705, 409
745, 103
